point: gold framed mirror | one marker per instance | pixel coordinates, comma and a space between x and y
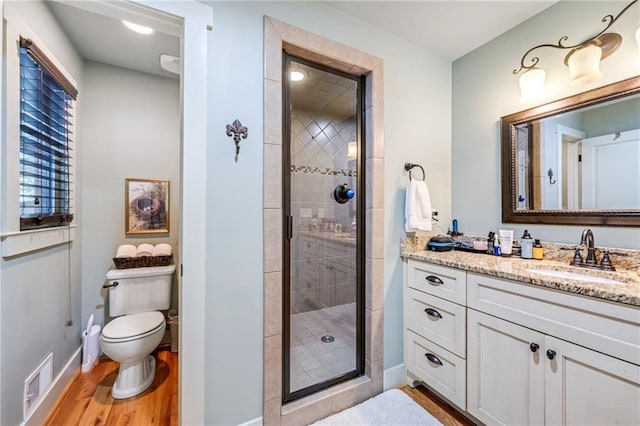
575, 161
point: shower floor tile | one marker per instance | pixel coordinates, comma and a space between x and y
312, 360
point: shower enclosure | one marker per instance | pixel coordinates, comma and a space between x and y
323, 204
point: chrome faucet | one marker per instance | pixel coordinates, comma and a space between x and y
591, 261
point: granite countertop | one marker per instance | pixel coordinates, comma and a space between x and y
345, 238
517, 269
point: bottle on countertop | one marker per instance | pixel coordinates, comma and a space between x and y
526, 244
538, 250
496, 246
490, 242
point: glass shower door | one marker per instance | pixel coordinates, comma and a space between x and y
323, 291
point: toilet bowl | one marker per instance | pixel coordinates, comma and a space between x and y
129, 340
135, 298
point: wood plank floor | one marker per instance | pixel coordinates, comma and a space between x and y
87, 399
439, 409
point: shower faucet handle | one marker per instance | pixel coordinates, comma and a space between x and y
343, 193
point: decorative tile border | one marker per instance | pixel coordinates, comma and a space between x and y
323, 171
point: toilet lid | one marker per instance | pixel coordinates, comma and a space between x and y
133, 325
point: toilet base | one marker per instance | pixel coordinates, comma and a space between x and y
134, 378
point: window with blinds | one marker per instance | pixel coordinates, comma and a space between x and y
46, 103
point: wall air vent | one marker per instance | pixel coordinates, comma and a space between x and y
36, 385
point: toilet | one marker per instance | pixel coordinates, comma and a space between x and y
136, 296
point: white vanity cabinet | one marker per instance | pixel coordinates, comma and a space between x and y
514, 353
505, 376
522, 374
435, 329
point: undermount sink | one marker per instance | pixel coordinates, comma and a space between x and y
574, 276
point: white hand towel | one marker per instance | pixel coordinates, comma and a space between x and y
126, 250
417, 207
144, 250
162, 250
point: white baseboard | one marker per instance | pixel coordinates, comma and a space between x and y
393, 377
58, 386
255, 422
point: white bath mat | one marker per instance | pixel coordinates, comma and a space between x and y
391, 408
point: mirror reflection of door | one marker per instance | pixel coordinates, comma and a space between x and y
610, 166
569, 171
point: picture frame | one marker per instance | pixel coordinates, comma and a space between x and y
328, 225
146, 207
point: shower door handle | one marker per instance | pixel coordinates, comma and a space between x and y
289, 227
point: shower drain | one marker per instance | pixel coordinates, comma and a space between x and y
327, 339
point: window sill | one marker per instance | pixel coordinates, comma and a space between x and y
18, 243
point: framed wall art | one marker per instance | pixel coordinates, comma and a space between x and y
146, 206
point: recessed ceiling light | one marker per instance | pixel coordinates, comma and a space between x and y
296, 76
140, 29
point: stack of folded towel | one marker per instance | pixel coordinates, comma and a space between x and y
129, 250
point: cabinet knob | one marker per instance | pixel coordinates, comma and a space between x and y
433, 358
534, 347
551, 354
433, 313
434, 280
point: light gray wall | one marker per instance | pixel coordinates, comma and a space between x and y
131, 123
619, 117
35, 302
484, 89
417, 99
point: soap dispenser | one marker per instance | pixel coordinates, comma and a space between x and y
526, 242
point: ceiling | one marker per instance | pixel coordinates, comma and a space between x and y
447, 28
103, 39
450, 29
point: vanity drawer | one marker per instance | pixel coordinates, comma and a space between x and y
447, 283
438, 320
437, 368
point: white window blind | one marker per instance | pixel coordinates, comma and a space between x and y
46, 103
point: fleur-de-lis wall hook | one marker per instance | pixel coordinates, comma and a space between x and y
238, 131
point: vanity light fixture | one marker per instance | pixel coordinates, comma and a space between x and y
583, 59
140, 29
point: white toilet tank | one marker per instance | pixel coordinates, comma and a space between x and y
139, 289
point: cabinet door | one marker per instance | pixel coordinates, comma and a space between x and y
505, 373
584, 387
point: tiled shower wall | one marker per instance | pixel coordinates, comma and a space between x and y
323, 270
319, 163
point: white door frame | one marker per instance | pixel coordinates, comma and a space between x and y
191, 21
